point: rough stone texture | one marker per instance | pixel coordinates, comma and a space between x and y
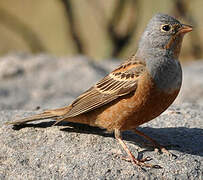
73, 151
29, 81
192, 89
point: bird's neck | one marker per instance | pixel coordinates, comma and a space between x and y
153, 53
174, 45
163, 67
172, 48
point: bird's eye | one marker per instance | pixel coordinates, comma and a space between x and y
166, 27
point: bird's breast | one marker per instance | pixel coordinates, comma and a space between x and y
149, 102
166, 73
136, 108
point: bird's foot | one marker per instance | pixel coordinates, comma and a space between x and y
163, 150
140, 162
155, 144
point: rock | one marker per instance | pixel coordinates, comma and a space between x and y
74, 151
45, 80
10, 68
192, 88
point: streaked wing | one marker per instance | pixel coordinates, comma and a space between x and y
119, 82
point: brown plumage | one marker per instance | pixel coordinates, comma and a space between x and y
137, 91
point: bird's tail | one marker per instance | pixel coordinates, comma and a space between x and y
44, 115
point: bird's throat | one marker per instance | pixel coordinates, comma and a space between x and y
174, 45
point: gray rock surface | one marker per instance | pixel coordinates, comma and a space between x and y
46, 81
74, 151
192, 88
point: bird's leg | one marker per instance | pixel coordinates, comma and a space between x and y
131, 157
154, 142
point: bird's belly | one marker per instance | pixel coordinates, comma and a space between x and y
132, 110
154, 105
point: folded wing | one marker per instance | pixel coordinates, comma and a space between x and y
118, 83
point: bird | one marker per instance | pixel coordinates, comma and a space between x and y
137, 91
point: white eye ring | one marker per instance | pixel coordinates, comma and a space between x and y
165, 27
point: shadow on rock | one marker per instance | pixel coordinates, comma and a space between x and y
186, 140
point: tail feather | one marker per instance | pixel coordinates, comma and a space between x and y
45, 115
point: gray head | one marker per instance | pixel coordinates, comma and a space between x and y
163, 32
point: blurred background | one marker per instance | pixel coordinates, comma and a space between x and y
97, 28
51, 51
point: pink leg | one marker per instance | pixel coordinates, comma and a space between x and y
130, 155
154, 143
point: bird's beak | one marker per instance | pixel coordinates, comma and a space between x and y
185, 29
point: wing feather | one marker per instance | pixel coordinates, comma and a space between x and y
120, 82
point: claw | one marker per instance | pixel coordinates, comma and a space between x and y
165, 151
156, 145
157, 167
146, 159
141, 162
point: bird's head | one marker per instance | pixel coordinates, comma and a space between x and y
163, 32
